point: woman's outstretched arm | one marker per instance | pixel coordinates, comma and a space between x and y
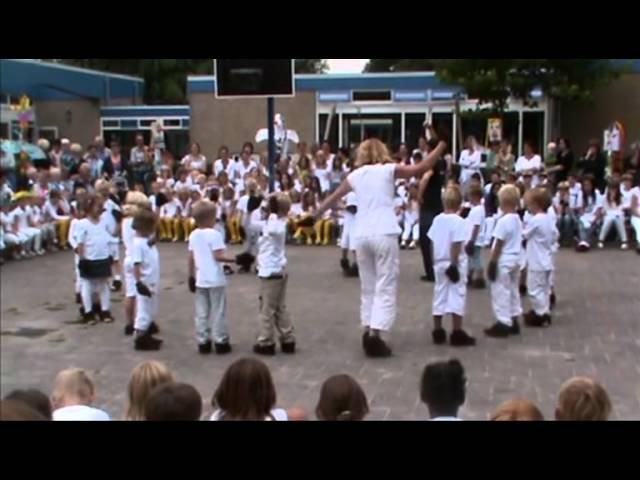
419, 169
341, 191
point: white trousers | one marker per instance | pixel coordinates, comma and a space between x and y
99, 286
379, 262
635, 223
33, 234
449, 297
146, 310
505, 294
48, 233
76, 271
211, 315
608, 222
411, 228
129, 279
539, 288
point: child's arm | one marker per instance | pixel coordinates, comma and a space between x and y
192, 273
492, 269
472, 240
220, 256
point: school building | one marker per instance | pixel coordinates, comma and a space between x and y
79, 104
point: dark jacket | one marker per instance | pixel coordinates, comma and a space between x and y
108, 168
596, 167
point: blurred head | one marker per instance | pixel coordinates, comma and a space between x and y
342, 399
99, 142
588, 183
583, 399
173, 402
246, 391
321, 159
422, 143
17, 411
144, 378
139, 140
44, 144
195, 149
34, 399
223, 152
145, 222
94, 205
204, 213
475, 193
326, 148
509, 197
518, 409
443, 388
372, 152
564, 144
228, 193
115, 148
528, 149
470, 143
452, 199
403, 151
72, 386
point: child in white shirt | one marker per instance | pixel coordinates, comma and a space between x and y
21, 218
273, 277
347, 240
182, 222
475, 240
635, 214
111, 218
10, 236
589, 213
411, 227
207, 281
94, 247
146, 272
73, 395
612, 210
448, 234
168, 215
41, 221
504, 267
54, 211
541, 236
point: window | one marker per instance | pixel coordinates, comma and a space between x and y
443, 121
385, 127
333, 131
146, 123
414, 128
50, 133
533, 130
372, 96
171, 123
110, 123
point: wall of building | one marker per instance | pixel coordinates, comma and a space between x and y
217, 122
85, 118
618, 101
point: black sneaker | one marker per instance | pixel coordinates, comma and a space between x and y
365, 339
205, 348
552, 300
78, 299
228, 270
344, 264
377, 348
428, 279
439, 336
88, 318
223, 348
498, 330
523, 290
288, 347
515, 327
266, 349
546, 320
116, 285
460, 338
146, 343
154, 329
353, 271
530, 318
106, 317
479, 283
128, 329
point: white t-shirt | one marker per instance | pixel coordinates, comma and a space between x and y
277, 414
169, 209
80, 413
374, 185
476, 217
470, 160
148, 258
626, 197
183, 185
128, 234
525, 164
635, 192
219, 166
203, 242
107, 217
323, 177
195, 163
22, 214
95, 238
509, 229
541, 235
447, 229
272, 259
184, 208
240, 170
296, 210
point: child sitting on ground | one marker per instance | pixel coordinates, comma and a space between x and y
443, 389
73, 396
342, 399
582, 399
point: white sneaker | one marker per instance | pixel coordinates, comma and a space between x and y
624, 246
600, 245
412, 246
40, 253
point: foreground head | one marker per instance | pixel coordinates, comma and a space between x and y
246, 391
342, 399
144, 378
173, 402
145, 222
583, 399
17, 411
72, 386
509, 197
34, 399
452, 199
204, 213
443, 388
518, 409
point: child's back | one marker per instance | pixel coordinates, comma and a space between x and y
202, 243
509, 229
541, 235
447, 228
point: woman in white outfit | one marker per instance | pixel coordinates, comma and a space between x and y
376, 235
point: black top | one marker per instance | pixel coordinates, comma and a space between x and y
595, 167
566, 160
432, 199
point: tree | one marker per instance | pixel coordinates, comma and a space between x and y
311, 65
399, 65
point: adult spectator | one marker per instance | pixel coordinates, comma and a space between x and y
195, 160
115, 165
73, 160
403, 154
470, 162
144, 378
518, 409
342, 399
565, 162
158, 144
84, 179
326, 148
632, 162
8, 167
529, 163
423, 147
94, 161
141, 169
43, 163
583, 399
34, 399
56, 153
443, 389
505, 160
67, 159
301, 153
223, 163
173, 402
594, 162
430, 198
101, 150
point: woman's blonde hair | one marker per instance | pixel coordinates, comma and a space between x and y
517, 409
371, 152
583, 399
144, 378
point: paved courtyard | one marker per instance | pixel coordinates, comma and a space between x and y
596, 332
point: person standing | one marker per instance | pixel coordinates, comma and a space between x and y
376, 233
138, 162
594, 163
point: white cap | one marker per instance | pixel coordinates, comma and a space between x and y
65, 141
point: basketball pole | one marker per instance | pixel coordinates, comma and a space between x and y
272, 143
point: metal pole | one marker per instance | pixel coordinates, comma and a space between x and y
272, 143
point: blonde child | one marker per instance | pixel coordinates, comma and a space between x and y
54, 211
10, 236
207, 280
305, 229
504, 266
475, 241
165, 177
448, 234
541, 235
232, 214
42, 222
111, 218
324, 227
23, 225
73, 396
347, 240
273, 277
94, 246
168, 216
583, 399
146, 272
182, 222
411, 227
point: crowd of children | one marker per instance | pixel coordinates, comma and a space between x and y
247, 392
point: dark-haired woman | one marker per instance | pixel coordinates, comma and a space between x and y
613, 215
